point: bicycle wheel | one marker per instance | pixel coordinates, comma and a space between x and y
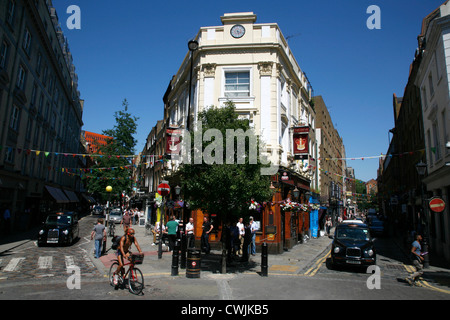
135, 281
112, 270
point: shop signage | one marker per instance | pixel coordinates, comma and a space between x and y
437, 204
173, 141
301, 141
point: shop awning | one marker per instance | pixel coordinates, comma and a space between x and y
57, 194
72, 196
88, 198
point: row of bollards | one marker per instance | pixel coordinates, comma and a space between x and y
194, 260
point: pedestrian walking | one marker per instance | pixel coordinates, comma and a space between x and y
241, 228
171, 228
7, 220
253, 229
206, 230
190, 233
417, 259
99, 234
126, 221
328, 225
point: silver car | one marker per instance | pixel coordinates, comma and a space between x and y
115, 215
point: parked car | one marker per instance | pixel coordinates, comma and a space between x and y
352, 245
97, 210
376, 227
59, 228
115, 215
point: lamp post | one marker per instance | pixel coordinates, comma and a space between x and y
108, 190
182, 232
296, 193
193, 46
421, 169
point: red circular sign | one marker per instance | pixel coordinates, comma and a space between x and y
163, 189
437, 205
194, 263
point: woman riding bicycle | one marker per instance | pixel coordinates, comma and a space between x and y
123, 251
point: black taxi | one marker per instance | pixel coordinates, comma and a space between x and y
352, 245
59, 228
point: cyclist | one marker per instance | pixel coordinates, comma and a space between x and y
123, 251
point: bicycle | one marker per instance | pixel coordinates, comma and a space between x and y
135, 277
112, 228
148, 228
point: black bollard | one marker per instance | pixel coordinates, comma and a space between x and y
183, 251
264, 260
175, 258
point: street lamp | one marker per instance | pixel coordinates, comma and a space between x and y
193, 46
108, 189
421, 169
296, 193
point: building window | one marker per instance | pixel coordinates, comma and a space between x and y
437, 145
14, 122
27, 41
237, 84
21, 76
11, 12
430, 85
4, 54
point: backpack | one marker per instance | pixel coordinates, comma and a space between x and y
115, 242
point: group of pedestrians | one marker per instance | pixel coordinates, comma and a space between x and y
240, 238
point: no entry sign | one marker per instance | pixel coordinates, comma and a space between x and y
437, 204
164, 189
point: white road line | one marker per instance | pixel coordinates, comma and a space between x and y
45, 262
13, 264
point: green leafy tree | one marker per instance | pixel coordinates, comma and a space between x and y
225, 190
113, 168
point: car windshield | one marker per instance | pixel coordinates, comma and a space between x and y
350, 233
58, 220
116, 213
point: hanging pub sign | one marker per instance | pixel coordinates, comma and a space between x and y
173, 141
301, 142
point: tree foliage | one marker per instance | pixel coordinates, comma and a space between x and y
109, 169
224, 189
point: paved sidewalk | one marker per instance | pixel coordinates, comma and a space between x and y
296, 260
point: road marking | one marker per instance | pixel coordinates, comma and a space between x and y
13, 264
422, 282
313, 270
45, 262
224, 289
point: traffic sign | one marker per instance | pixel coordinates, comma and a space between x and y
437, 204
164, 188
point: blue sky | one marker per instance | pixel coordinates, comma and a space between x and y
131, 49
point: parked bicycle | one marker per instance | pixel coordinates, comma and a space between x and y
133, 276
112, 229
148, 228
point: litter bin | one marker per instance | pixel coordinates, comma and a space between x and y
193, 263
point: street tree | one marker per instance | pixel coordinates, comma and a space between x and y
113, 166
224, 189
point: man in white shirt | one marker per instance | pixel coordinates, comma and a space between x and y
253, 229
190, 233
241, 227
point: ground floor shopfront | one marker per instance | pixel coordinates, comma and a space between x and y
278, 226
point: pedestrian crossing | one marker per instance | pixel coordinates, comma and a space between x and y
44, 266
